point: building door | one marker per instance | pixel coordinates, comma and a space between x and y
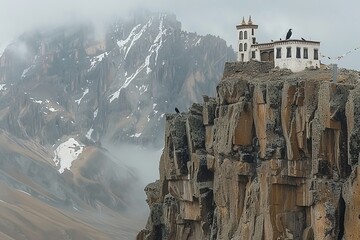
271, 56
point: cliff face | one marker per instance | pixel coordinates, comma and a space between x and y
274, 156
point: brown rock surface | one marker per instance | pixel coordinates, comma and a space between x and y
274, 156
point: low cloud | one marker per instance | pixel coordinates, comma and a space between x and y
327, 21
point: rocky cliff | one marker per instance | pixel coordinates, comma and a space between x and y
274, 156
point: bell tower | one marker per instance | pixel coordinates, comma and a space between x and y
246, 38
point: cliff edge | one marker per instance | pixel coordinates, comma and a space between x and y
274, 156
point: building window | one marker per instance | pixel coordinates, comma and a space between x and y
245, 34
278, 53
316, 54
288, 52
245, 46
253, 54
305, 53
241, 35
298, 52
254, 40
240, 47
252, 32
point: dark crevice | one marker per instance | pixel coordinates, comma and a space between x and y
341, 217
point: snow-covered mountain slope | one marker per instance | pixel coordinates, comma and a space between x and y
66, 93
117, 87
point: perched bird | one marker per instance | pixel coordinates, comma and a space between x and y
288, 35
303, 39
177, 110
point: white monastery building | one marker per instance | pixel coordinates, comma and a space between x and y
292, 54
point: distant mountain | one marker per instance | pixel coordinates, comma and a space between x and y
67, 93
115, 88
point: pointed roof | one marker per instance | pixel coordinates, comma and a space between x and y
250, 22
243, 21
244, 25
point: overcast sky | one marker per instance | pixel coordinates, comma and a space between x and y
333, 23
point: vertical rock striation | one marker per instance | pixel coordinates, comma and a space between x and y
274, 156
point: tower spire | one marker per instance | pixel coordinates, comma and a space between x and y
243, 21
250, 22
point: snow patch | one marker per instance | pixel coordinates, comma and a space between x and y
161, 116
159, 38
122, 43
66, 153
198, 42
128, 80
138, 35
154, 48
36, 101
135, 135
88, 134
147, 62
51, 109
84, 93
95, 60
23, 75
143, 89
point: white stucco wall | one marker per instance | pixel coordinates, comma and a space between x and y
257, 53
248, 41
293, 63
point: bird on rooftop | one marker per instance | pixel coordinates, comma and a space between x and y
288, 35
177, 110
303, 39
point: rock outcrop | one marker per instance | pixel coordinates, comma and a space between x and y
274, 156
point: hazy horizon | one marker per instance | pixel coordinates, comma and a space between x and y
324, 21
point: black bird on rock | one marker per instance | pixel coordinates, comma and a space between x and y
288, 35
177, 110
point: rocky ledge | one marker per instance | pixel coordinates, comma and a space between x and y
274, 156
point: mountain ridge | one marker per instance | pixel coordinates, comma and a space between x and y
66, 95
